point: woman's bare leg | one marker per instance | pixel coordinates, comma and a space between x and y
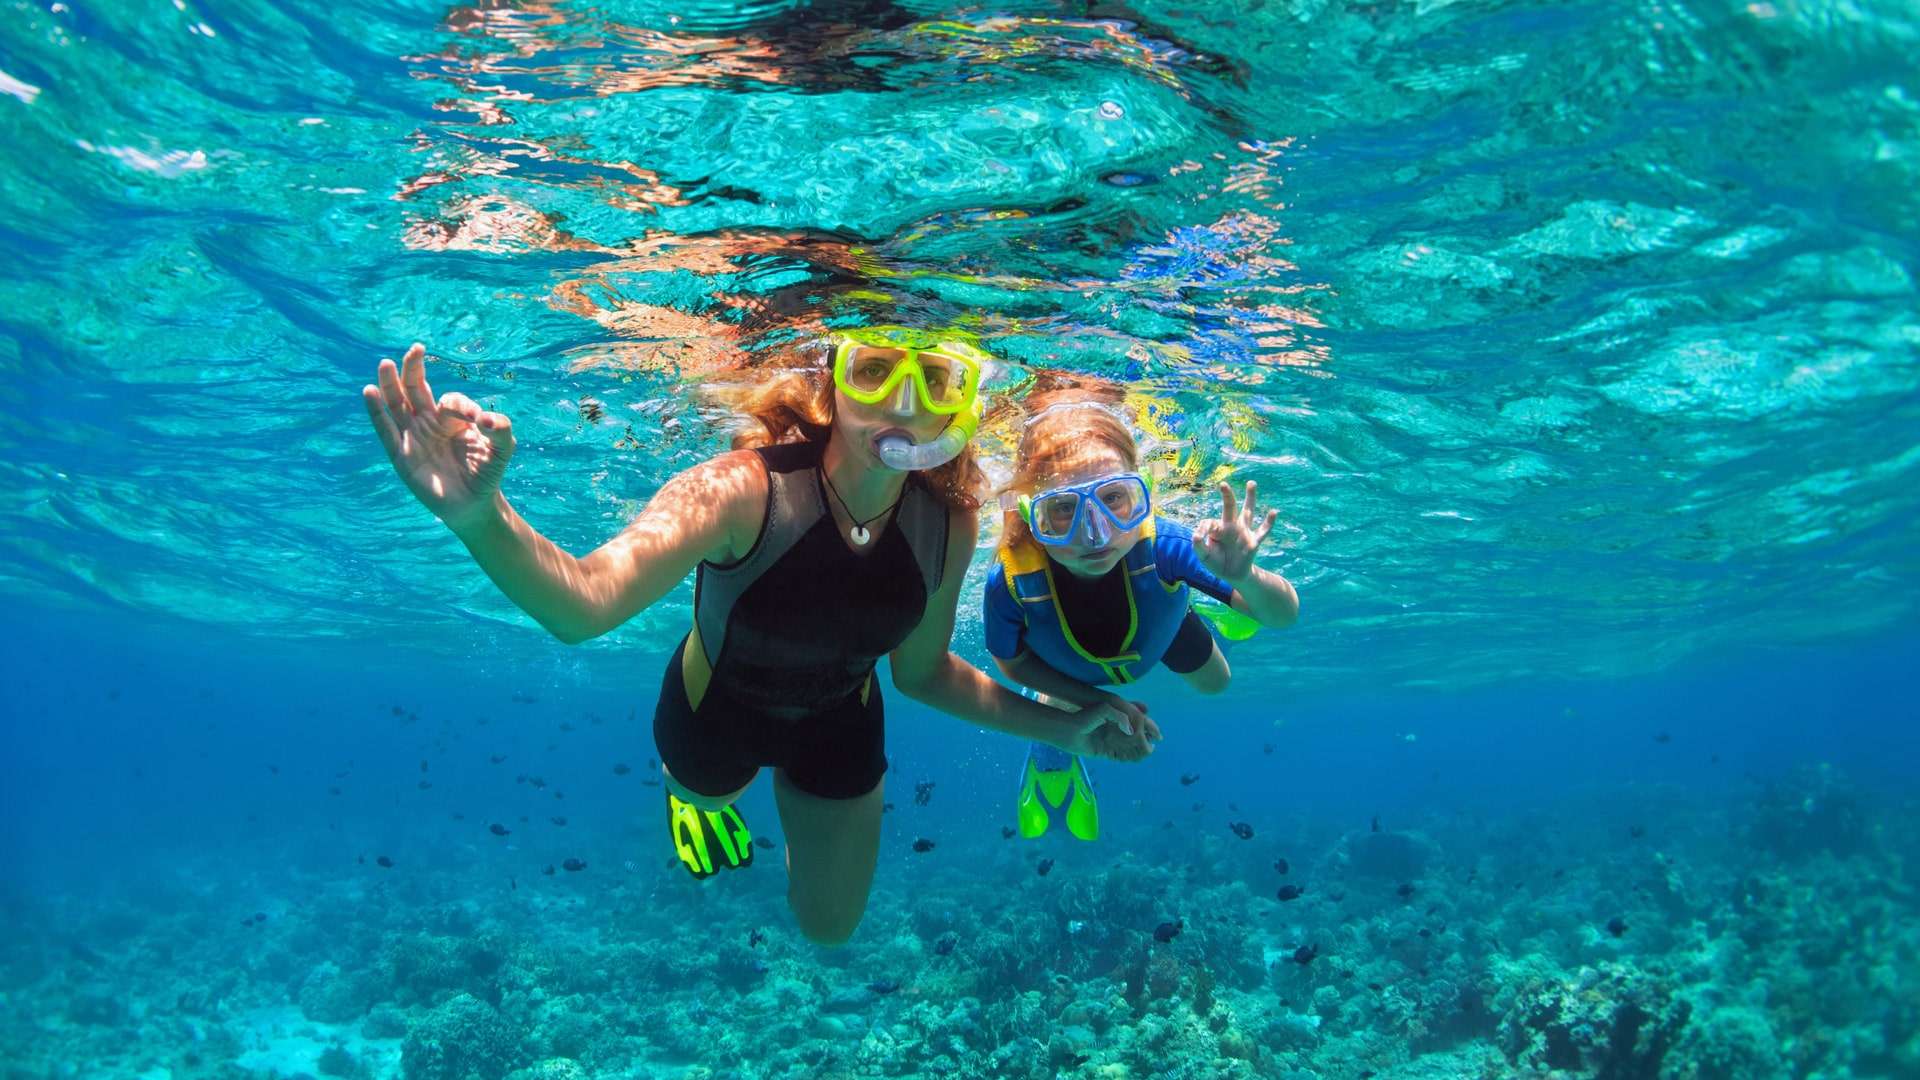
832, 848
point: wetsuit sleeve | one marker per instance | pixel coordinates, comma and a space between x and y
1006, 626
1178, 562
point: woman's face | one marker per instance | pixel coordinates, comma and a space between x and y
1096, 547
862, 426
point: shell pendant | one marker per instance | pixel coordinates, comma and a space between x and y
859, 534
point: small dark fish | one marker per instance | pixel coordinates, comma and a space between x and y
923, 845
1242, 830
333, 791
1291, 892
1405, 891
496, 758
424, 785
764, 843
384, 862
886, 808
944, 947
1043, 866
1424, 932
274, 769
361, 859
1167, 931
513, 884
1663, 738
567, 727
1127, 179
1281, 865
458, 816
883, 986
1233, 807
1616, 926
557, 820
1266, 748
1557, 874
1376, 823
755, 937
397, 710
247, 921
574, 865
923, 793
1006, 832
549, 870
1188, 779
1375, 987
423, 764
260, 916
651, 781
539, 782
1304, 954
622, 769
1636, 831
498, 829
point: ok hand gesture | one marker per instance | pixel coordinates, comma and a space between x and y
1227, 546
450, 453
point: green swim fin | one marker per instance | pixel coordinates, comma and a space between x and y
1055, 781
698, 835
1230, 624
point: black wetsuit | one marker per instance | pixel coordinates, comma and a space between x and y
792, 632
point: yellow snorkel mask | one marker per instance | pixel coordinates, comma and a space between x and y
877, 362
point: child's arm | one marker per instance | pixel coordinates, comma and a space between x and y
1225, 548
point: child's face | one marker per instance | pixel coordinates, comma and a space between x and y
1097, 546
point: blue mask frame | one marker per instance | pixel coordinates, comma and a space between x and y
1085, 495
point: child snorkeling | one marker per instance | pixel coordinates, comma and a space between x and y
1092, 588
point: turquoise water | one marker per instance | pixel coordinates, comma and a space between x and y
1576, 345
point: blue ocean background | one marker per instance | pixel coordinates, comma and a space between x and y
1577, 345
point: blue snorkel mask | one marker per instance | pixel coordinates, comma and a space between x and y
1091, 513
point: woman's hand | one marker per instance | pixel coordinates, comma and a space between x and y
1104, 730
1227, 546
450, 453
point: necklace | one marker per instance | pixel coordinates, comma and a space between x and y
858, 532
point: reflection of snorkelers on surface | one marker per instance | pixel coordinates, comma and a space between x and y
805, 47
1092, 587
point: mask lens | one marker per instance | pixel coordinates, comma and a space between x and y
1053, 515
946, 378
869, 367
1125, 498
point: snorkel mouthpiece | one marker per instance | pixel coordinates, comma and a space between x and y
902, 453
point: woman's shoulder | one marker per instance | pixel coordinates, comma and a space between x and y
734, 483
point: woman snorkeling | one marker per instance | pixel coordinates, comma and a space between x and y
821, 544
1092, 588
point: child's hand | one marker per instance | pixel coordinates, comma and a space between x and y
1227, 546
1099, 732
1132, 715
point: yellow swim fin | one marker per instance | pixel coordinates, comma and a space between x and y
698, 835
